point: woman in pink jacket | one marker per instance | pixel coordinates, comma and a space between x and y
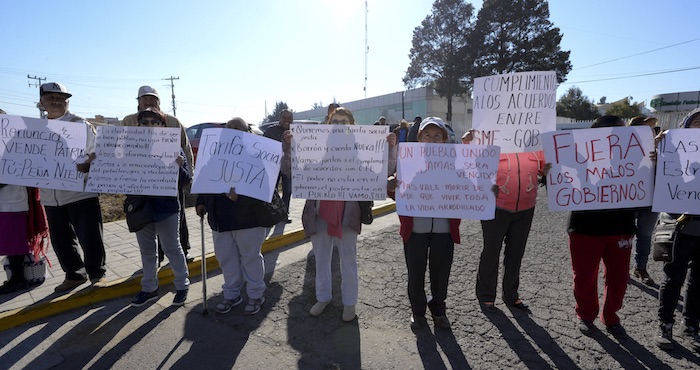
517, 180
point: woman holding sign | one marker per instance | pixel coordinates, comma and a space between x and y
330, 223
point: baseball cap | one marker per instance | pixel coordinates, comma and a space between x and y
54, 87
147, 90
433, 121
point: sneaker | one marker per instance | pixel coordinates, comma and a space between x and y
418, 322
318, 308
69, 284
99, 282
144, 297
253, 306
12, 286
441, 322
180, 297
617, 331
348, 313
643, 276
188, 257
227, 304
665, 338
586, 327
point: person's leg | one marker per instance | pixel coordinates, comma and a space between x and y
286, 190
86, 217
146, 239
184, 231
646, 220
440, 258
586, 253
226, 251
170, 241
691, 309
487, 277
674, 277
322, 245
252, 264
64, 242
347, 251
416, 253
515, 242
616, 261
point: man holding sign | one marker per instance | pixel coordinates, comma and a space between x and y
73, 215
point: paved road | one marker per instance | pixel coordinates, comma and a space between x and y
283, 335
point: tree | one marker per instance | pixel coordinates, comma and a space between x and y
317, 105
441, 55
574, 104
517, 36
275, 115
624, 109
602, 100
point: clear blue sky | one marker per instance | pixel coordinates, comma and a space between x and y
235, 58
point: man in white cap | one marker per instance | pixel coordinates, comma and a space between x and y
148, 98
73, 216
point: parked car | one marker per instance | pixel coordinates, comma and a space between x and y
194, 133
264, 126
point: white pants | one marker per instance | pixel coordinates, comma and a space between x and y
168, 231
238, 252
323, 251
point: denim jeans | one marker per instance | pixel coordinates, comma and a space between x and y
646, 220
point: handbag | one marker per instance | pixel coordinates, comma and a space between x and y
663, 237
34, 270
139, 212
272, 213
366, 216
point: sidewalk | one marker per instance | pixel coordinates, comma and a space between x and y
124, 267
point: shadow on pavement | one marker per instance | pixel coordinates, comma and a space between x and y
427, 343
540, 336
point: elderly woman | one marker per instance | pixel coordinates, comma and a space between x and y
165, 225
334, 223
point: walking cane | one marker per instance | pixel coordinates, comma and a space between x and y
204, 270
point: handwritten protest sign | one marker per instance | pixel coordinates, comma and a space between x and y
42, 153
678, 173
446, 180
135, 160
229, 158
339, 162
513, 110
599, 168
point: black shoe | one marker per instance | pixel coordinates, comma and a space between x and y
520, 305
418, 322
12, 286
488, 307
586, 327
441, 322
665, 338
617, 331
289, 221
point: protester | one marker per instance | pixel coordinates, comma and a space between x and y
165, 225
646, 219
601, 235
275, 133
238, 238
517, 179
148, 98
401, 131
413, 131
686, 255
331, 108
428, 241
73, 215
330, 223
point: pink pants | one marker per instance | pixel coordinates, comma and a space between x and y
586, 253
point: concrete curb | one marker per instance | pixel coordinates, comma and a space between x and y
131, 285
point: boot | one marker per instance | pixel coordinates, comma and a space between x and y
665, 338
17, 281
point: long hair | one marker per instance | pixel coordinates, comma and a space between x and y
343, 112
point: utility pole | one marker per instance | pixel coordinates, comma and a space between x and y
172, 90
37, 84
366, 47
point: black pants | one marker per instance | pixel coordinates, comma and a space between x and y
437, 251
81, 222
686, 255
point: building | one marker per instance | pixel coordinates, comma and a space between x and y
671, 108
400, 105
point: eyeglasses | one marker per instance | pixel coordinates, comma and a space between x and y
146, 122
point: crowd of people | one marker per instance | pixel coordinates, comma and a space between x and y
32, 218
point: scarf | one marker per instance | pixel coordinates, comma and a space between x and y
37, 226
331, 211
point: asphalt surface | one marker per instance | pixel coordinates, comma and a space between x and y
112, 335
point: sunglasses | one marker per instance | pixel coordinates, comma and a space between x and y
146, 122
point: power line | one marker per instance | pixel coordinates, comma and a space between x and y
638, 54
637, 75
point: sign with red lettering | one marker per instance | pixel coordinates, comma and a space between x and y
446, 180
599, 168
678, 173
513, 110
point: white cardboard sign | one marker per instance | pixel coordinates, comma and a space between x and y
678, 173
